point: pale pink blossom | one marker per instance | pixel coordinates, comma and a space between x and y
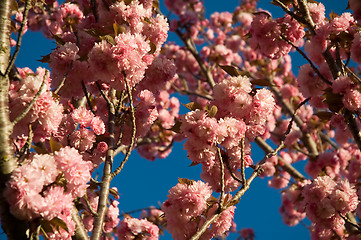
82, 116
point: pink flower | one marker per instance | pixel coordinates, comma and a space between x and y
82, 116
97, 125
356, 47
82, 139
132, 227
352, 100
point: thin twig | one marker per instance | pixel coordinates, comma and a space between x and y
138, 210
352, 125
352, 73
187, 92
104, 95
315, 69
222, 177
31, 104
20, 36
134, 129
285, 165
195, 54
21, 155
243, 175
90, 208
64, 78
87, 97
326, 138
306, 137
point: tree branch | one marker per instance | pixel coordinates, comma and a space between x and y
31, 104
134, 129
104, 191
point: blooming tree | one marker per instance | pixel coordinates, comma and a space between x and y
112, 88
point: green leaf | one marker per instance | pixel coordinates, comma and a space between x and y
231, 70
153, 48
213, 111
59, 223
109, 39
192, 106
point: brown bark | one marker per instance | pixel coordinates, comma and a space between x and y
13, 228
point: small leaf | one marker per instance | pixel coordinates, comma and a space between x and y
156, 4
323, 115
193, 164
232, 203
40, 149
54, 145
14, 6
109, 39
176, 127
213, 111
333, 15
233, 71
153, 48
334, 101
261, 82
59, 223
185, 181
45, 59
147, 20
58, 39
192, 106
116, 28
46, 227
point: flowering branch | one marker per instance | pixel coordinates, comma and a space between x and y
31, 104
285, 165
104, 191
195, 54
134, 129
243, 175
307, 139
20, 36
80, 232
222, 177
64, 78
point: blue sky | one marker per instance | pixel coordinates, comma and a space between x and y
143, 183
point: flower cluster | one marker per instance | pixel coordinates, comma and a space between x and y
46, 185
239, 116
326, 202
187, 208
